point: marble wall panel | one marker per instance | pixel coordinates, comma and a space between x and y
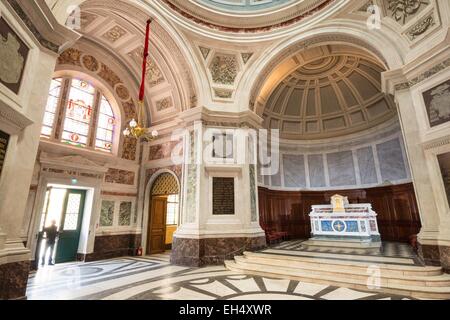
316, 170
120, 176
294, 171
113, 246
392, 163
366, 163
341, 169
276, 179
107, 214
125, 213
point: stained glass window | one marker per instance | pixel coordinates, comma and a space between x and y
51, 107
105, 127
89, 121
172, 210
78, 113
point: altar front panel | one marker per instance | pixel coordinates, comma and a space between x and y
358, 222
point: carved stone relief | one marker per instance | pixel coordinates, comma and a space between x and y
114, 34
224, 69
13, 56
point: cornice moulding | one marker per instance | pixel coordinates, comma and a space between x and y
40, 21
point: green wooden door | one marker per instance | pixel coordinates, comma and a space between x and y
69, 237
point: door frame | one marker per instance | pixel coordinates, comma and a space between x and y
91, 212
145, 217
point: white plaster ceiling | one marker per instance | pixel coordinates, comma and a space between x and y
119, 29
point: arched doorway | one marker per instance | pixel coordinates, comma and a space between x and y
164, 213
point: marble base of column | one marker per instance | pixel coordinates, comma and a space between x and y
212, 251
435, 255
13, 280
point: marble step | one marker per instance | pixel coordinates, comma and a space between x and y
386, 276
342, 244
343, 256
348, 281
317, 261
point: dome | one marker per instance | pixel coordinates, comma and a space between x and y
244, 5
332, 91
247, 15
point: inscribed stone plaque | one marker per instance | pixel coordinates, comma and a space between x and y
13, 56
437, 103
4, 140
223, 196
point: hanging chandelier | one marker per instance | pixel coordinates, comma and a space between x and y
136, 128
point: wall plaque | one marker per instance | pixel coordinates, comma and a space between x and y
223, 196
13, 57
4, 140
437, 103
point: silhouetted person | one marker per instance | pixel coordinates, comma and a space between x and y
51, 234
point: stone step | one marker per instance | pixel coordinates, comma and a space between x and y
342, 244
341, 280
359, 273
317, 261
343, 256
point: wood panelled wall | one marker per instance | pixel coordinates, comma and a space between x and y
398, 215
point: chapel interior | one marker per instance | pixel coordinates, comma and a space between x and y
257, 149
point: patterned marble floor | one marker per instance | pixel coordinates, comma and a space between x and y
153, 278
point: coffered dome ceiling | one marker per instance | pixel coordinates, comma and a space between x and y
332, 92
244, 5
260, 15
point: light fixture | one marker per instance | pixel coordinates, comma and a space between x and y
135, 128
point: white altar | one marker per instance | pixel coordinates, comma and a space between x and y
343, 221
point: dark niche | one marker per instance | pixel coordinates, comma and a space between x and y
4, 140
223, 196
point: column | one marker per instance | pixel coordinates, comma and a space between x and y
425, 141
220, 216
22, 106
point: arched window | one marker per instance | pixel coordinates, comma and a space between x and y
51, 108
87, 118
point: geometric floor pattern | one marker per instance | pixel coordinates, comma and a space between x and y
153, 278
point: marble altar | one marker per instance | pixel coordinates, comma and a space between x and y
341, 220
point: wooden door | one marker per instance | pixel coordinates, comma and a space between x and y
156, 242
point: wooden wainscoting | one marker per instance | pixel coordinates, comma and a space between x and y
398, 214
